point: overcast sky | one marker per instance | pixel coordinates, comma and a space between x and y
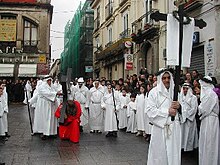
63, 11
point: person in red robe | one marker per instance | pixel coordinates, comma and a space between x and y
70, 128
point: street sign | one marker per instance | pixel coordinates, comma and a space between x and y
42, 59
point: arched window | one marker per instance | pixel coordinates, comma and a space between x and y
30, 33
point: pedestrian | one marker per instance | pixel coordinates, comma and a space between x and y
131, 114
95, 112
209, 129
165, 143
189, 106
70, 128
110, 104
124, 99
2, 111
5, 114
80, 93
140, 101
44, 121
27, 92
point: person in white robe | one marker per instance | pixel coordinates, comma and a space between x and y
124, 99
209, 128
147, 123
58, 88
189, 106
95, 112
34, 98
165, 143
110, 104
45, 121
140, 101
5, 114
131, 114
27, 92
2, 109
81, 94
33, 101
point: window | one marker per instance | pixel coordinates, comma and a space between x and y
8, 17
30, 34
110, 35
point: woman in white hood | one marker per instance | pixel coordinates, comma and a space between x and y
209, 128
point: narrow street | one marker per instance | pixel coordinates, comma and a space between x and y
93, 149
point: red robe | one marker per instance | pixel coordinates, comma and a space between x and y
70, 129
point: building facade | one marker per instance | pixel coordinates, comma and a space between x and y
118, 22
125, 38
78, 45
25, 38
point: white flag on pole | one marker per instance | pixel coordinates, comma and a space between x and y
173, 41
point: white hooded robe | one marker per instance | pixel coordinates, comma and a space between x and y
165, 144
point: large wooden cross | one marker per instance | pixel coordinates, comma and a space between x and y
157, 16
65, 82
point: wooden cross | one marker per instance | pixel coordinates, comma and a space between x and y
65, 82
157, 16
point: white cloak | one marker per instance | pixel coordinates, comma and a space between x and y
209, 129
95, 111
27, 96
110, 122
45, 121
189, 126
2, 107
164, 132
82, 96
122, 112
5, 114
131, 114
140, 101
147, 125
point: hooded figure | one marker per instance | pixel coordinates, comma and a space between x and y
44, 120
209, 129
95, 112
189, 105
80, 93
5, 114
165, 144
28, 89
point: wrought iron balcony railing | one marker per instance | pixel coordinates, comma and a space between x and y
125, 34
143, 23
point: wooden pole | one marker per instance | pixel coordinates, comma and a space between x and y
178, 68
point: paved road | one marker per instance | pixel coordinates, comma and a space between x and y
93, 149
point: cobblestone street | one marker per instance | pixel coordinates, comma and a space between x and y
93, 149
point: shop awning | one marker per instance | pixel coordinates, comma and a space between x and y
6, 70
27, 70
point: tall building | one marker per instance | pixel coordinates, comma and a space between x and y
125, 38
78, 45
25, 38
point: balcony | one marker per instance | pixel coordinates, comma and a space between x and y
125, 34
108, 10
111, 48
96, 23
193, 5
122, 2
144, 28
